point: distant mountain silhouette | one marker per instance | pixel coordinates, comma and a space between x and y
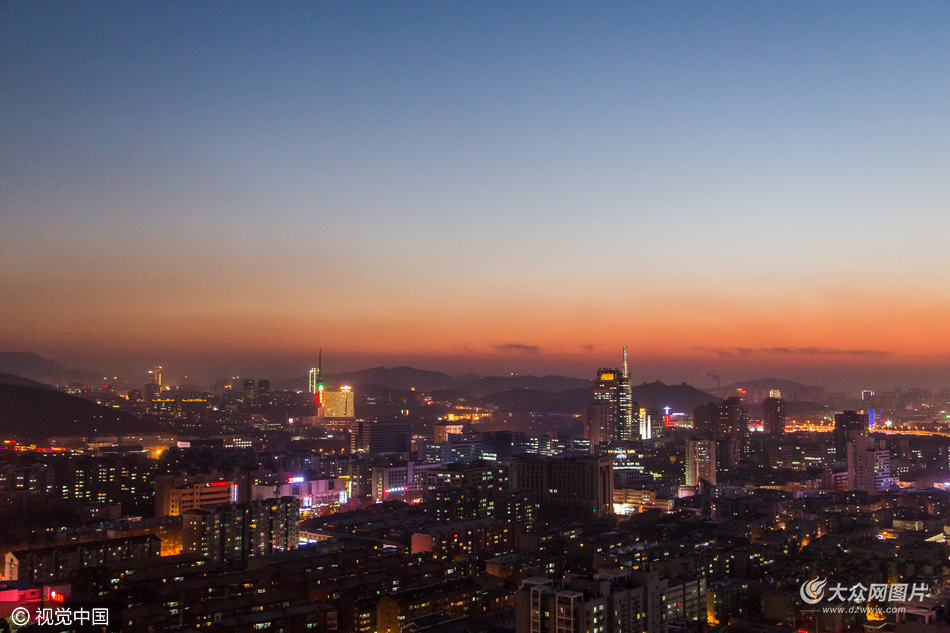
655, 395
43, 370
20, 381
29, 365
37, 414
406, 378
488, 385
680, 398
398, 378
511, 394
757, 390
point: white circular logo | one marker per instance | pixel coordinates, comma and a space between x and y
20, 616
811, 591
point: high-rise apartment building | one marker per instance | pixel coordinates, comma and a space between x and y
619, 600
488, 479
728, 424
869, 464
599, 424
234, 532
578, 487
700, 462
773, 415
731, 419
848, 425
263, 391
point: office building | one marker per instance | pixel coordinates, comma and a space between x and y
457, 448
613, 418
404, 481
180, 498
323, 494
388, 437
646, 424
442, 430
338, 404
250, 392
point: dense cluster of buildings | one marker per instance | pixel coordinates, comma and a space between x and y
327, 520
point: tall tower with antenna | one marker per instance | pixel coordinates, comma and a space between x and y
316, 375
610, 416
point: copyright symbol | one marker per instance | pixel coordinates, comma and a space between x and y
20, 616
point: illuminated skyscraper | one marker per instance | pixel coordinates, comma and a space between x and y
153, 388
338, 404
614, 420
646, 425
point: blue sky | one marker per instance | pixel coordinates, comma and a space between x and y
442, 179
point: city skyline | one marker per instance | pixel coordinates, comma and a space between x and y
746, 191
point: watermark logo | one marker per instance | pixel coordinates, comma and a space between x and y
20, 617
811, 590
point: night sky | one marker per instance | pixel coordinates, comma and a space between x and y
746, 188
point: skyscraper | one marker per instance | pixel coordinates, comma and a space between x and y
154, 386
263, 391
848, 425
773, 417
614, 420
869, 464
338, 404
600, 423
700, 462
728, 424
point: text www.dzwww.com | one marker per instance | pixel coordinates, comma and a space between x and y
860, 609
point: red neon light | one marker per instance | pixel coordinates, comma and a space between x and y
215, 484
